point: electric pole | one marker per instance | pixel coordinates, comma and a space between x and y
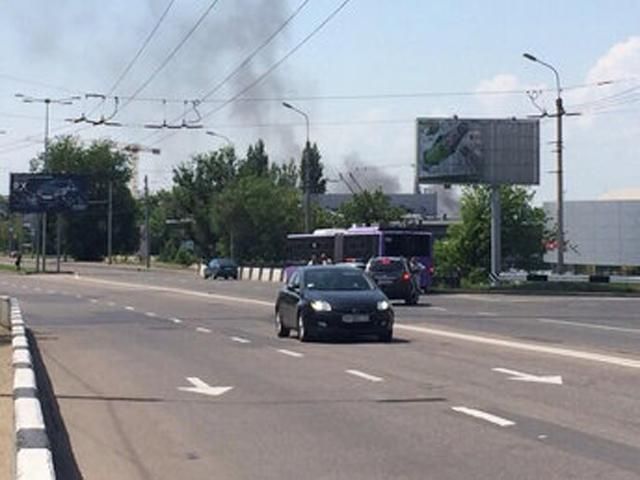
146, 222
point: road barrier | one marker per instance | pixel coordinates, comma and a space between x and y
566, 277
33, 459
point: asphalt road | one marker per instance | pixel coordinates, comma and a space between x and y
469, 389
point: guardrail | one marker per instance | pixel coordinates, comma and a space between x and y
258, 274
567, 277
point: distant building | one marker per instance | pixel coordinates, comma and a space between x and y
601, 234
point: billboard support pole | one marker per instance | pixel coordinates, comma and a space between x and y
44, 242
496, 233
35, 241
58, 242
110, 224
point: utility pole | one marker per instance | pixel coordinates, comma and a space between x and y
560, 112
146, 222
110, 223
58, 241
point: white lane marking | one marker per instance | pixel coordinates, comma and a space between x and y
78, 296
240, 340
529, 347
589, 325
111, 304
28, 414
175, 320
151, 314
51, 292
364, 375
181, 291
527, 377
290, 353
203, 330
501, 422
130, 308
37, 289
24, 378
93, 300
486, 314
439, 309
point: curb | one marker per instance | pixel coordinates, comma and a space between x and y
33, 458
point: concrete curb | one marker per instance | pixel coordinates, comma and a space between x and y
33, 458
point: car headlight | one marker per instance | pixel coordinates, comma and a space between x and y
383, 305
321, 306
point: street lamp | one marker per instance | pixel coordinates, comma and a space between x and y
219, 135
560, 112
305, 163
47, 102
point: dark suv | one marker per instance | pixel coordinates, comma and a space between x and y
395, 278
221, 267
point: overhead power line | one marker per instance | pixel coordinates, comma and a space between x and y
172, 54
272, 68
141, 49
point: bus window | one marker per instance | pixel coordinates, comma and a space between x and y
407, 245
361, 247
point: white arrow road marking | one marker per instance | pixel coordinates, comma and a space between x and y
240, 340
527, 377
202, 387
501, 422
364, 375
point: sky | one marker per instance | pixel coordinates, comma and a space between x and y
363, 78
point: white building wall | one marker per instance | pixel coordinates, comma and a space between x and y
599, 232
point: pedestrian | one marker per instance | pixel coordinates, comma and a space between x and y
314, 260
324, 259
18, 260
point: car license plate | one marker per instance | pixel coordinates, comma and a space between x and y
384, 281
355, 318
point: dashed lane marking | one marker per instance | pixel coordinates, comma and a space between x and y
175, 320
501, 422
366, 376
589, 325
290, 353
130, 308
240, 340
203, 330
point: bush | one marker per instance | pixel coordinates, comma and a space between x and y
184, 257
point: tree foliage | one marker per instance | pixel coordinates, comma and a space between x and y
466, 251
311, 159
367, 208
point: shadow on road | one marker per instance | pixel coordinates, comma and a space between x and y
63, 459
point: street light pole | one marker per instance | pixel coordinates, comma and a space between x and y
305, 163
219, 135
560, 112
47, 103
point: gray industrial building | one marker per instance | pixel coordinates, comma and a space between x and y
603, 234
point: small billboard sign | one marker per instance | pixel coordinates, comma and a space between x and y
478, 151
43, 193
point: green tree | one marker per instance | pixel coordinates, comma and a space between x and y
196, 183
466, 250
254, 215
367, 208
85, 233
311, 157
257, 161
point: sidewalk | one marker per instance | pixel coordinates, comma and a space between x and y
6, 406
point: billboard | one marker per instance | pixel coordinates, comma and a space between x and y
478, 151
38, 193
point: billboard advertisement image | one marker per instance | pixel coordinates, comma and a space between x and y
40, 193
478, 151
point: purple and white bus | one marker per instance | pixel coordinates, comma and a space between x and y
359, 244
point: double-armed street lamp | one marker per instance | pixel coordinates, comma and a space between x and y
306, 187
211, 133
47, 103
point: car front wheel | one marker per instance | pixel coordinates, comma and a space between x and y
303, 333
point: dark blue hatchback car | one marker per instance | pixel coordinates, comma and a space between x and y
221, 268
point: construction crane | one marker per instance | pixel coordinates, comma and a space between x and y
134, 150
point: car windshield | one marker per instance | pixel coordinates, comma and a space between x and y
337, 279
227, 262
387, 265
